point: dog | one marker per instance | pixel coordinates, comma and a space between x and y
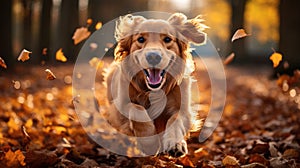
149, 82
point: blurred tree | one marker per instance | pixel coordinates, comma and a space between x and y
68, 22
6, 31
289, 34
102, 10
237, 22
27, 21
45, 20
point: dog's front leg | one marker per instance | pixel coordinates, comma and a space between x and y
179, 124
144, 129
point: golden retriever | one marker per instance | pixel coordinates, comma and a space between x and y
149, 83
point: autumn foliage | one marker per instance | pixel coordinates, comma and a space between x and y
39, 126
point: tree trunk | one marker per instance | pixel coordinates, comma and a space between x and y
6, 32
289, 35
27, 42
237, 22
45, 20
69, 21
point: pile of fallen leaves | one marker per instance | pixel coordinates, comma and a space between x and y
39, 127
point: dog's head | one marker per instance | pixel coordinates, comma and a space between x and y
157, 47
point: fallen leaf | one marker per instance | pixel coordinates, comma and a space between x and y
230, 161
14, 158
98, 25
50, 75
2, 63
41, 158
60, 56
240, 33
276, 58
24, 55
291, 154
80, 34
186, 161
229, 59
201, 153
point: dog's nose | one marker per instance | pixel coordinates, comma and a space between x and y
153, 57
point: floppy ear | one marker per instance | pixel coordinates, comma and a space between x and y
190, 30
123, 34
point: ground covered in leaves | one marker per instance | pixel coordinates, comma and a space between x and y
260, 126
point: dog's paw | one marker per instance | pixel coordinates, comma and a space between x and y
178, 149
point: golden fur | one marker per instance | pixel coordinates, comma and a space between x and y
137, 106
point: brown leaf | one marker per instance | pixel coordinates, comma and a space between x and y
60, 56
2, 63
229, 59
256, 158
276, 59
291, 154
201, 153
80, 34
230, 161
41, 158
50, 75
24, 55
240, 33
14, 158
186, 161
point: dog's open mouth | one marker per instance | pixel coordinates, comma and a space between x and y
154, 77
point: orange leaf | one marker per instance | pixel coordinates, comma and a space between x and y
60, 56
2, 63
229, 59
80, 35
50, 75
24, 55
89, 21
186, 161
276, 58
98, 25
240, 33
230, 161
14, 158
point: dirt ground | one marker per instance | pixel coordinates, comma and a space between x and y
260, 126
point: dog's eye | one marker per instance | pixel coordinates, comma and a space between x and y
167, 39
141, 39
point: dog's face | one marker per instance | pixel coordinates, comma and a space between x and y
155, 45
154, 48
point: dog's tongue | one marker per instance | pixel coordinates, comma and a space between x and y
154, 76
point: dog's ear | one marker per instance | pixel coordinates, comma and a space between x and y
126, 24
123, 34
191, 30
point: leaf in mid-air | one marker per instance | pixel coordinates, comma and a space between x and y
240, 33
24, 55
60, 56
80, 34
276, 59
